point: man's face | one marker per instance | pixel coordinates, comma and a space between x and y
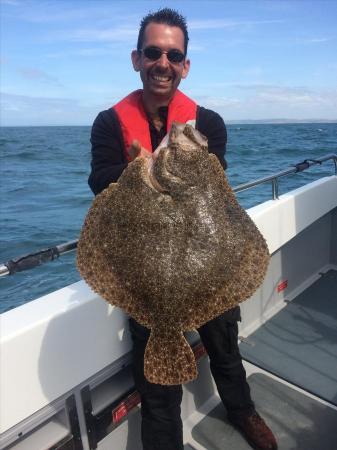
161, 77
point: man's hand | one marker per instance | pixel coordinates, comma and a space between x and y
137, 150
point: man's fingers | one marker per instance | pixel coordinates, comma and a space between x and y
145, 153
137, 150
134, 150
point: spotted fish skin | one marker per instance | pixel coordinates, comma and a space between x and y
170, 244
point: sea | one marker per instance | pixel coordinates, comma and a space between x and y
45, 195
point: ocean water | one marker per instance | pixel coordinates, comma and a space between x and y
45, 195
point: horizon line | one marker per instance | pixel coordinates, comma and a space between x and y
229, 121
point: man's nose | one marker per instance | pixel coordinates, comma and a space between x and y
163, 60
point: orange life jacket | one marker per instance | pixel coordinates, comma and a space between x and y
134, 122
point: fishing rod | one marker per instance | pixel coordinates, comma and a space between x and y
50, 254
36, 259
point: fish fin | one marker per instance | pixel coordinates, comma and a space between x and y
169, 359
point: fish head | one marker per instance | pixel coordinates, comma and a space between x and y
180, 161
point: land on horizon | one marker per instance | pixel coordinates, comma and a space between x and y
280, 121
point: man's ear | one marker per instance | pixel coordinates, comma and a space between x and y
135, 58
187, 64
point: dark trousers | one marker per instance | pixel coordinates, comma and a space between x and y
161, 421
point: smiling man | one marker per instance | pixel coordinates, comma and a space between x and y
161, 60
135, 127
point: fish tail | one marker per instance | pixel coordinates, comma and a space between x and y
169, 359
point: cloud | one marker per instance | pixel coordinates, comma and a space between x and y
212, 24
24, 110
286, 95
290, 94
34, 74
313, 40
110, 35
253, 72
24, 101
99, 35
218, 102
10, 2
273, 102
196, 48
58, 12
85, 52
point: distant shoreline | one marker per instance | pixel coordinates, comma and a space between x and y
228, 122
279, 121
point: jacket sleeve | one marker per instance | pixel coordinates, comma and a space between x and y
211, 125
107, 151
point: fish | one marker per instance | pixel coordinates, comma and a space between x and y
170, 245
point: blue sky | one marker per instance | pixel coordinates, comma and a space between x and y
64, 61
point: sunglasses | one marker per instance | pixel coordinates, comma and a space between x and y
154, 53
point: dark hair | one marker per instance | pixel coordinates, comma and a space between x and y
167, 16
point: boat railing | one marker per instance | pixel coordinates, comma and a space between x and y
273, 178
32, 260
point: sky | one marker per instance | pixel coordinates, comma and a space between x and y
62, 62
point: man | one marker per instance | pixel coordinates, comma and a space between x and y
134, 127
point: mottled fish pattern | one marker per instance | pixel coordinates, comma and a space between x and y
170, 245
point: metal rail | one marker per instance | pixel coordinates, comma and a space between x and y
36, 259
299, 167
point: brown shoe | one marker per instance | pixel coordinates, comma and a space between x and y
256, 431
